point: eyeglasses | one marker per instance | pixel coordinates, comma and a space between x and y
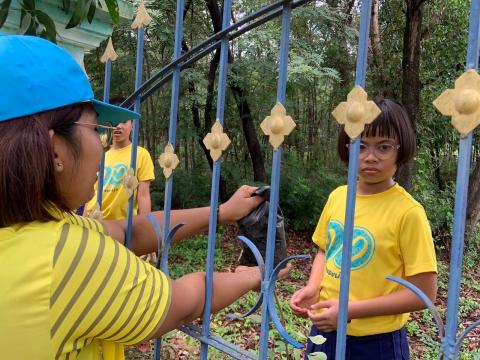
104, 132
382, 151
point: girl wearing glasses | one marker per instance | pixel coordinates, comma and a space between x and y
68, 286
391, 236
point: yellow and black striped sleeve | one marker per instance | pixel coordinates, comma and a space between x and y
100, 290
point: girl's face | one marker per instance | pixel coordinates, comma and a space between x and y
77, 175
377, 164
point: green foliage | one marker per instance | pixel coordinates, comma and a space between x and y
190, 256
437, 203
36, 22
189, 189
471, 255
304, 196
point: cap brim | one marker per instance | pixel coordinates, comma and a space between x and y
111, 114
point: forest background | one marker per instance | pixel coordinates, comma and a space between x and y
417, 49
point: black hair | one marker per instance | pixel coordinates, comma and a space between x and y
28, 190
393, 123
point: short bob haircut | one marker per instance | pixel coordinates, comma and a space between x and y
392, 123
28, 190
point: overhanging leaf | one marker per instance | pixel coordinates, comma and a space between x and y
50, 29
28, 5
317, 356
113, 10
66, 5
4, 11
78, 14
91, 10
318, 339
25, 23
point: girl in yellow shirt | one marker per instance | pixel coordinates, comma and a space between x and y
391, 236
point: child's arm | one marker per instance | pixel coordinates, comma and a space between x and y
143, 235
400, 302
303, 298
188, 294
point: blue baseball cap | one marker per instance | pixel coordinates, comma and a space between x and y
37, 75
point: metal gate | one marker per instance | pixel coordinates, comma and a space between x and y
462, 103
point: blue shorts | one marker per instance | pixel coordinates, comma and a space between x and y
388, 346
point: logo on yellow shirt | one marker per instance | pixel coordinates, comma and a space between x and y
114, 176
363, 247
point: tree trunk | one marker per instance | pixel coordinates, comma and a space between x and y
377, 53
412, 38
473, 202
202, 131
248, 124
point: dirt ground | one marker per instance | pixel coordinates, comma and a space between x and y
300, 243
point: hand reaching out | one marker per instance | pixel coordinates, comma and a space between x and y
239, 205
303, 298
152, 257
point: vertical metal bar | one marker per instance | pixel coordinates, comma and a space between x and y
457, 247
473, 35
212, 225
108, 75
347, 250
172, 133
275, 182
172, 129
449, 349
212, 232
136, 125
352, 190
106, 98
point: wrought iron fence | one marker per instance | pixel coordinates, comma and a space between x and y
462, 103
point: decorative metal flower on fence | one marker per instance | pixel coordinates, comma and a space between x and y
130, 182
31, 17
216, 141
96, 213
168, 161
356, 112
277, 125
462, 103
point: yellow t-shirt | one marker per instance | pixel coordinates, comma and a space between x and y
115, 198
391, 236
66, 286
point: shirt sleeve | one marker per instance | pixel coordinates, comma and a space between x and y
90, 224
145, 170
416, 243
319, 236
101, 290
